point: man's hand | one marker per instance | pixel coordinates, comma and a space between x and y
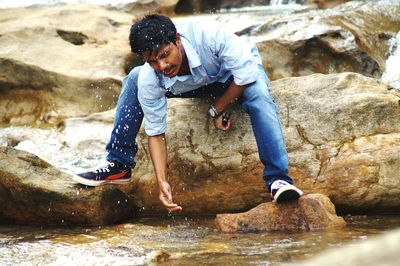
220, 124
166, 197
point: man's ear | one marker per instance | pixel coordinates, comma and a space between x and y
178, 39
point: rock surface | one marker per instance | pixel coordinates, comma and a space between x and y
310, 213
61, 61
381, 250
67, 61
353, 37
342, 133
34, 192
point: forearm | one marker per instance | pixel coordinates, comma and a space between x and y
158, 154
231, 94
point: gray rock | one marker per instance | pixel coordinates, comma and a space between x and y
34, 192
342, 39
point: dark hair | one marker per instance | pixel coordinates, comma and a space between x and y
151, 32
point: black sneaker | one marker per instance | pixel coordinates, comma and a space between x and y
282, 191
113, 173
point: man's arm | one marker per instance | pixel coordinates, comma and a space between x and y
231, 94
158, 154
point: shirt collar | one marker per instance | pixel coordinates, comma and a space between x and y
194, 61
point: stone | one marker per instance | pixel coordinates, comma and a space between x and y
325, 3
341, 40
311, 212
34, 192
61, 61
380, 250
342, 130
342, 134
143, 7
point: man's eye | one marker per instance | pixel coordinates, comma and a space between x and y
164, 54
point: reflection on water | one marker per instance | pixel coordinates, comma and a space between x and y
181, 241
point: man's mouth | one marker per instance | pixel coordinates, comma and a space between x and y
169, 71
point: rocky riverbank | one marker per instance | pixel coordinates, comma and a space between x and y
61, 67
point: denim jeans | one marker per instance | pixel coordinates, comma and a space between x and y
256, 100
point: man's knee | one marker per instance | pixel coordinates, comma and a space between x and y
258, 92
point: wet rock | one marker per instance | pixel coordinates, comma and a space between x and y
351, 37
342, 133
325, 3
34, 192
379, 250
61, 61
196, 6
310, 213
152, 6
343, 137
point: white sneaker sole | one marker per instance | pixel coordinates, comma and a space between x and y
287, 193
94, 183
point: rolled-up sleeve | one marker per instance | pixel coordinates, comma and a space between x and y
153, 103
237, 55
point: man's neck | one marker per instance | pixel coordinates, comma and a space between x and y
185, 69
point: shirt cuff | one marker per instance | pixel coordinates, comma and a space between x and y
246, 75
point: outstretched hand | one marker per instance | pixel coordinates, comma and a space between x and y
166, 197
223, 122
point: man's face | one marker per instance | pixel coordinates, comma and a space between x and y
167, 60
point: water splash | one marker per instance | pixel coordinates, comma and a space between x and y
391, 76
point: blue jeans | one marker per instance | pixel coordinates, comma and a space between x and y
256, 100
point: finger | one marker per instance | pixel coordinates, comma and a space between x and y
175, 209
166, 202
167, 192
227, 126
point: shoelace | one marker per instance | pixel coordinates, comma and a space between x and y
104, 169
277, 185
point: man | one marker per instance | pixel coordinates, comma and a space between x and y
195, 60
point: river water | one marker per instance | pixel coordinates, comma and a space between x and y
175, 241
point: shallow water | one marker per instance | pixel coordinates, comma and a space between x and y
174, 241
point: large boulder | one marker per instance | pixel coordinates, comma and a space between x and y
342, 133
312, 212
148, 6
34, 192
61, 61
350, 37
196, 6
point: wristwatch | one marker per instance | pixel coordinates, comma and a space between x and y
213, 112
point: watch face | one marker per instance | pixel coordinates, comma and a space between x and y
212, 113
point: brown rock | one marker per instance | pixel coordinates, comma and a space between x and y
61, 61
196, 6
310, 213
34, 192
353, 37
325, 3
342, 134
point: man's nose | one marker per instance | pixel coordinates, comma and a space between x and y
162, 65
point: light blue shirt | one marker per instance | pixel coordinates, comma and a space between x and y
213, 54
